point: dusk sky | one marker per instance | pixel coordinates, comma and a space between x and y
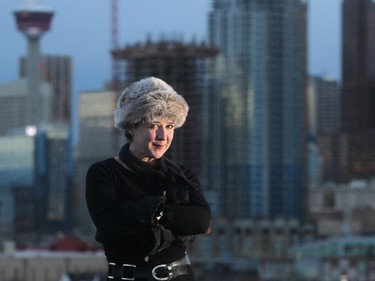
82, 30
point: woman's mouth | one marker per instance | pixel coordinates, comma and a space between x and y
159, 146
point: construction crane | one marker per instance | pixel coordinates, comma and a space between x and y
114, 44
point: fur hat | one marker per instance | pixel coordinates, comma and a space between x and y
148, 100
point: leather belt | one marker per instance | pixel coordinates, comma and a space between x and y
161, 272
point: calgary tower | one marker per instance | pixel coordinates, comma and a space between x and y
33, 20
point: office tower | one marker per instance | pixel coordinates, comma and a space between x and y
326, 94
186, 67
324, 120
53, 179
356, 157
258, 164
56, 70
14, 101
33, 21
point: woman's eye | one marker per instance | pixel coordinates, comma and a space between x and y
170, 126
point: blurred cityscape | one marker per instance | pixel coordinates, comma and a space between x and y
286, 159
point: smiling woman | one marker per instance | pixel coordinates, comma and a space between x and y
145, 207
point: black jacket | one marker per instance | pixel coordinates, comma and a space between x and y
123, 206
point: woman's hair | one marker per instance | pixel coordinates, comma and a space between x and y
148, 100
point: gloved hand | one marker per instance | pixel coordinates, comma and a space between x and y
146, 210
153, 240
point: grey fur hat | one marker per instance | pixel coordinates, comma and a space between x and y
148, 100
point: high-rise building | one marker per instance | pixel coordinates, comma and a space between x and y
186, 67
324, 122
53, 179
358, 73
324, 96
57, 70
259, 135
13, 104
356, 150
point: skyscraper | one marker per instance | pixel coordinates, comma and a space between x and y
14, 101
324, 121
356, 154
57, 70
53, 179
258, 164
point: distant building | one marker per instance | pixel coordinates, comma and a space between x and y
258, 161
343, 209
324, 105
17, 160
356, 150
46, 265
254, 239
339, 258
53, 179
17, 164
56, 70
323, 99
14, 103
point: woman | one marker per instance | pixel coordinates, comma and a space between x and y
144, 206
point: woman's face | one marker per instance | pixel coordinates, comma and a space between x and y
151, 141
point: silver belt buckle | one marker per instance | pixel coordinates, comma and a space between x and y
166, 266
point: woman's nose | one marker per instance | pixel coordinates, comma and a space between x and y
160, 133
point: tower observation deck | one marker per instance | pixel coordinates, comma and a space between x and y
33, 20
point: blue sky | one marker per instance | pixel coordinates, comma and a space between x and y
81, 29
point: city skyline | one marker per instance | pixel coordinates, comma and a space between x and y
91, 65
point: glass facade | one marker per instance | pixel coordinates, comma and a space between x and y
53, 179
260, 88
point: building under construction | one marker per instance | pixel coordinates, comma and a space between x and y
187, 68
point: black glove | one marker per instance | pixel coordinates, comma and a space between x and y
146, 210
153, 240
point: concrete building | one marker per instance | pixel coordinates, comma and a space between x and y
343, 209
57, 71
14, 103
47, 265
259, 161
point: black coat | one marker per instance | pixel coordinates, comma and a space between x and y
118, 199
